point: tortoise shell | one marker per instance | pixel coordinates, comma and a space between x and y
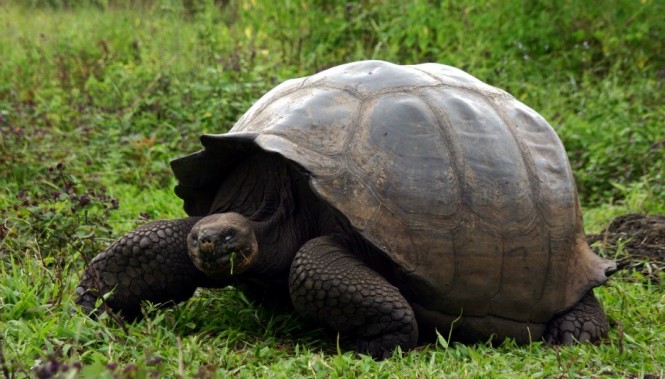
465, 188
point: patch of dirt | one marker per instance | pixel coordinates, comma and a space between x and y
642, 238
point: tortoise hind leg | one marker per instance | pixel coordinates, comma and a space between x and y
585, 322
150, 263
331, 285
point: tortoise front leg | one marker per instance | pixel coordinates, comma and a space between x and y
150, 263
585, 322
331, 285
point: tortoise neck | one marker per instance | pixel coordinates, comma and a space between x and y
289, 220
276, 199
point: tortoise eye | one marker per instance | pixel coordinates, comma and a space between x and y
229, 235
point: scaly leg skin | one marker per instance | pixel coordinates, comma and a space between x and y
585, 322
329, 284
150, 263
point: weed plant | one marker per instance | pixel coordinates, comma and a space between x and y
96, 96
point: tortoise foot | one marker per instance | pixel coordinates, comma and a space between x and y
585, 322
330, 284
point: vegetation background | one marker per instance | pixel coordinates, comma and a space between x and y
96, 96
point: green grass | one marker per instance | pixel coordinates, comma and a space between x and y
95, 99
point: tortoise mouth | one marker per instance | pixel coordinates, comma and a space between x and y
222, 262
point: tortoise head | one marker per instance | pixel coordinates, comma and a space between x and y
222, 244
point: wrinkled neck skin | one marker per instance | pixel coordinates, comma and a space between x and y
282, 210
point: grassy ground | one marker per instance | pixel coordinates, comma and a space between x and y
95, 100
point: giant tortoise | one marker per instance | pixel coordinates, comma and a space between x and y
386, 202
